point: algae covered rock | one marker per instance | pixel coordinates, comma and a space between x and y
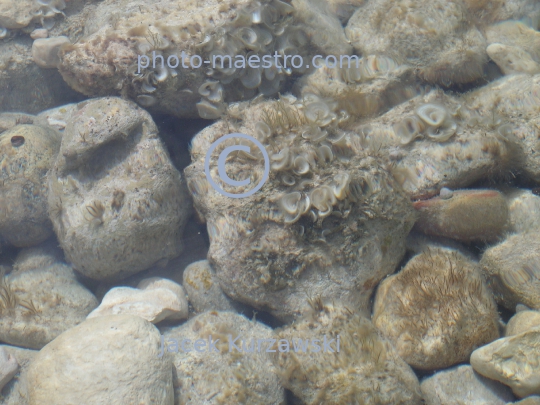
203, 289
27, 153
117, 203
221, 358
331, 220
186, 74
513, 361
335, 357
111, 359
433, 141
39, 304
412, 32
513, 270
524, 210
511, 106
436, 310
8, 367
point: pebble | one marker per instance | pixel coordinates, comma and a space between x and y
155, 300
462, 385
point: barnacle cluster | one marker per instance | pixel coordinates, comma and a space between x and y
261, 29
431, 120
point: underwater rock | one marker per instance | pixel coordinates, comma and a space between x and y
524, 210
8, 367
27, 153
468, 215
461, 385
25, 86
522, 322
155, 301
117, 203
517, 35
17, 14
15, 391
491, 11
513, 361
58, 117
204, 291
344, 9
367, 87
111, 359
39, 304
513, 270
432, 143
329, 217
232, 370
510, 105
45, 51
36, 257
410, 32
436, 310
121, 33
533, 400
364, 369
512, 59
9, 119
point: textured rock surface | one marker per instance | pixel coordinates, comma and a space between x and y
224, 374
153, 303
363, 87
513, 270
366, 368
524, 210
15, 392
327, 218
512, 59
411, 31
24, 86
513, 361
465, 215
45, 51
533, 400
104, 62
27, 154
512, 102
522, 322
117, 203
39, 304
203, 289
461, 385
436, 310
433, 141
110, 359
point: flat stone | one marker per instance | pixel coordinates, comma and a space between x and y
462, 385
513, 360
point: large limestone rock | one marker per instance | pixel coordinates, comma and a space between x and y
111, 359
117, 203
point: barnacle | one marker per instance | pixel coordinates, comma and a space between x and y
323, 199
96, 211
294, 205
432, 114
409, 129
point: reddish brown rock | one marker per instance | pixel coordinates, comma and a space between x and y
466, 215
